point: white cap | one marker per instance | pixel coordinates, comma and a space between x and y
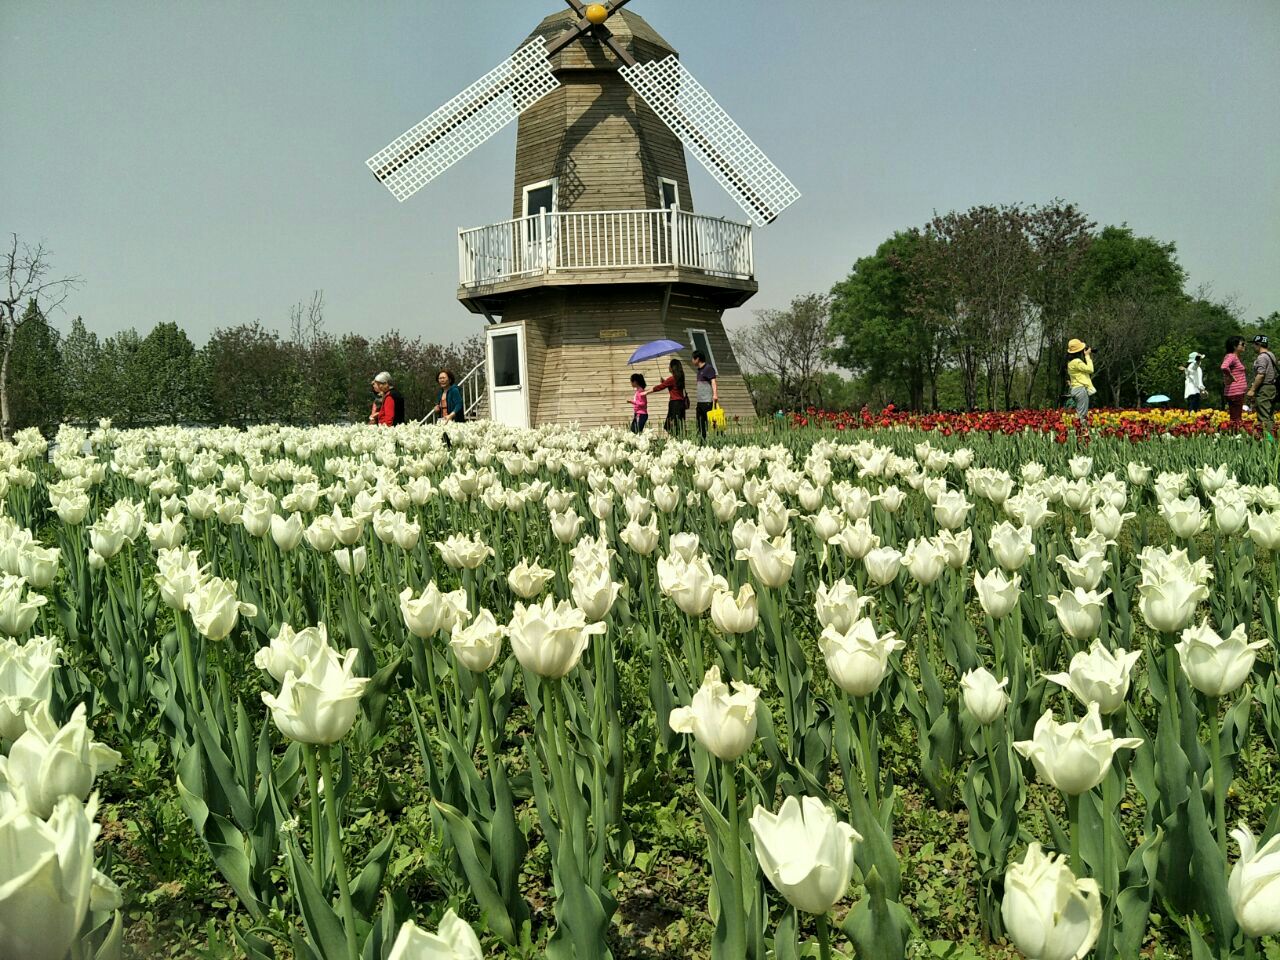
383, 377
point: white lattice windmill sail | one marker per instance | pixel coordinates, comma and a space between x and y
424, 151
720, 145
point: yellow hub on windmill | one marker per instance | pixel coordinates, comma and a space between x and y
597, 13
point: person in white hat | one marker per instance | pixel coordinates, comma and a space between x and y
1193, 380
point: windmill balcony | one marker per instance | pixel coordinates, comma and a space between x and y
605, 246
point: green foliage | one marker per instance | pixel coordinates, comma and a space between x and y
36, 379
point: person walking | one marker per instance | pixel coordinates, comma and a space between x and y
1235, 379
388, 408
1080, 382
708, 392
1262, 391
450, 405
1193, 381
639, 403
677, 399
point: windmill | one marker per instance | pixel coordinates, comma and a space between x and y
604, 250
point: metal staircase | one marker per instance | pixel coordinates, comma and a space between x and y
475, 396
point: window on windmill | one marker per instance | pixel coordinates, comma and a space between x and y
670, 191
702, 344
506, 360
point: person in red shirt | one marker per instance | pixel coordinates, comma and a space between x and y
677, 399
383, 413
1234, 378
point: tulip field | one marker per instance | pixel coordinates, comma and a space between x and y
885, 691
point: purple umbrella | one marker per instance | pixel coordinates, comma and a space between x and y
658, 348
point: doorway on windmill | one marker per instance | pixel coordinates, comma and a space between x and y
508, 396
701, 343
539, 231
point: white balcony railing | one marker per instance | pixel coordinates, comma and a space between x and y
604, 240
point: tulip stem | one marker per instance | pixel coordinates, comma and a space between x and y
870, 761
824, 938
996, 787
339, 859
736, 945
1073, 815
1219, 784
317, 837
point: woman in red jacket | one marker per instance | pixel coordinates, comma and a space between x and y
677, 399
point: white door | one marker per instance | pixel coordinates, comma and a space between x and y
539, 233
508, 389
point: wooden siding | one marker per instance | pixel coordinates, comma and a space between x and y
575, 375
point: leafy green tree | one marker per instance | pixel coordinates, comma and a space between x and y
882, 332
166, 361
81, 361
1162, 369
249, 375
1060, 236
36, 383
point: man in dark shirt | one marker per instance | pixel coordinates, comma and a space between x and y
1262, 391
708, 392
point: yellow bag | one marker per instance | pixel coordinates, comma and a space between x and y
715, 417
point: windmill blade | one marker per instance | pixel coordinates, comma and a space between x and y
423, 152
720, 145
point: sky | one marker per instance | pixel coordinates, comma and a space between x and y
204, 162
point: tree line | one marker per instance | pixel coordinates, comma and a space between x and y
243, 374
973, 310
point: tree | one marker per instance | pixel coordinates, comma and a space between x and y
791, 344
1060, 237
881, 324
982, 263
36, 379
81, 362
26, 281
166, 361
249, 375
1131, 293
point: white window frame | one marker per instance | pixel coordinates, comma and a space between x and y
553, 183
675, 186
711, 357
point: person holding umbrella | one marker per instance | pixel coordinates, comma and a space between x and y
677, 399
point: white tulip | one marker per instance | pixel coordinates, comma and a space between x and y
1168, 598
1139, 473
1107, 520
47, 763
857, 659
735, 614
839, 605
1254, 884
826, 524
527, 580
214, 608
690, 584
723, 723
855, 539
319, 705
890, 498
997, 594
1048, 912
26, 681
286, 532
925, 560
1080, 612
1099, 677
548, 638
951, 510
46, 878
806, 852
641, 537
18, 612
476, 646
454, 940
770, 560
1214, 665
593, 590
1230, 512
291, 650
1080, 466
684, 545
984, 695
1011, 546
1185, 517
351, 561
565, 526
39, 565
956, 546
433, 611
1264, 529
883, 565
1075, 756
1085, 572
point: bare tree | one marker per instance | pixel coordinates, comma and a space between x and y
27, 281
791, 345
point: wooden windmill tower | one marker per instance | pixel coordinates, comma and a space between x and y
604, 251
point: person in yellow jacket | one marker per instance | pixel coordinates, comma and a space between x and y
1080, 381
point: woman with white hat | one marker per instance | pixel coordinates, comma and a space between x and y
1080, 381
1193, 380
